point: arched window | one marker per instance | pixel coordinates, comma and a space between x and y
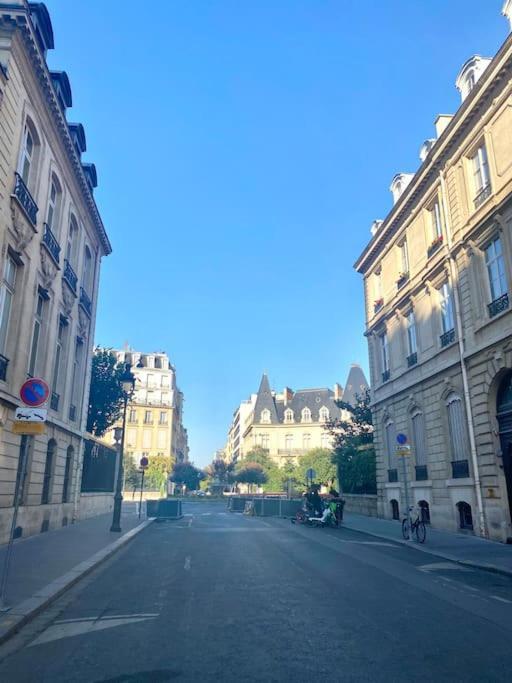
459, 445
72, 240
470, 81
54, 202
306, 441
48, 471
391, 451
265, 416
395, 510
306, 415
323, 414
28, 154
465, 515
67, 474
87, 272
288, 415
424, 511
419, 445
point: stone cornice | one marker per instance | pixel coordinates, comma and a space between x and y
16, 18
498, 71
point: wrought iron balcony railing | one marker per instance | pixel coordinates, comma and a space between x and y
22, 194
447, 337
85, 302
51, 244
421, 472
392, 475
69, 275
54, 400
434, 246
498, 305
482, 196
386, 375
460, 469
377, 305
412, 359
72, 413
404, 277
4, 362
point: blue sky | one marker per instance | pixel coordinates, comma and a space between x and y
243, 150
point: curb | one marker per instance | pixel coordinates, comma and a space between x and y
25, 611
445, 556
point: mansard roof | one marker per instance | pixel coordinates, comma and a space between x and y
314, 399
356, 385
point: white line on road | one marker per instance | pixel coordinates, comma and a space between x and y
387, 545
190, 521
79, 627
497, 597
441, 566
188, 561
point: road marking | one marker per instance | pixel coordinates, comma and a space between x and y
190, 521
205, 514
387, 545
441, 566
78, 627
188, 560
497, 597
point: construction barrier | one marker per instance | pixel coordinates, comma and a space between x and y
265, 507
164, 508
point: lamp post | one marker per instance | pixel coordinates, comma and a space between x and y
128, 385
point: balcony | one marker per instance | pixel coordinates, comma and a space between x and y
421, 472
434, 246
72, 413
377, 305
4, 362
392, 476
412, 359
70, 275
25, 199
386, 375
85, 302
51, 244
447, 337
480, 198
54, 401
402, 280
460, 469
498, 305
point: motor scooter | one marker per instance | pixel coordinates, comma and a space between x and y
327, 519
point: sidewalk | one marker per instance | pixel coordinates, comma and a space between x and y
43, 566
469, 550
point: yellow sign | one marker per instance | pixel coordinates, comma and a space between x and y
28, 428
403, 451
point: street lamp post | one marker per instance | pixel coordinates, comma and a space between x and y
128, 385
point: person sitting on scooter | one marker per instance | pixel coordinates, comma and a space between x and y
316, 502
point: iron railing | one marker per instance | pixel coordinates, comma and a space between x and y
69, 275
378, 305
447, 337
404, 277
85, 302
392, 475
51, 244
54, 400
436, 244
498, 305
421, 472
482, 196
4, 362
460, 469
27, 203
412, 359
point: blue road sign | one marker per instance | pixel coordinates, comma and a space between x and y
401, 439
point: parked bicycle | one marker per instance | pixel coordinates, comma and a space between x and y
417, 526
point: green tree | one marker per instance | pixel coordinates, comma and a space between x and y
106, 394
259, 455
157, 473
185, 473
132, 476
251, 473
354, 452
319, 459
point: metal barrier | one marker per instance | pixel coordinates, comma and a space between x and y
164, 508
266, 507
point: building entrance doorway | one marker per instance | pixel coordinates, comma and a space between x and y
504, 415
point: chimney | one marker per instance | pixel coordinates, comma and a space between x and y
338, 391
442, 122
287, 395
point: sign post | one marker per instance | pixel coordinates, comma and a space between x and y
310, 475
143, 464
403, 450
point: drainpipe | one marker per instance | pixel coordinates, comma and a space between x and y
467, 399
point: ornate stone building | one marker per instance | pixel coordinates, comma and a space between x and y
51, 242
437, 275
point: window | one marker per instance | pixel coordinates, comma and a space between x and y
146, 438
158, 362
418, 435
87, 271
131, 437
53, 204
395, 510
132, 417
288, 415
148, 417
435, 221
163, 417
306, 415
265, 416
72, 240
265, 441
151, 381
6, 298
161, 438
391, 448
67, 474
412, 341
404, 258
288, 442
36, 334
496, 269
465, 515
48, 471
60, 354
164, 382
384, 355
481, 178
27, 154
325, 441
458, 436
446, 305
470, 81
323, 414
76, 383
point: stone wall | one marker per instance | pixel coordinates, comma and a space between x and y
361, 504
92, 504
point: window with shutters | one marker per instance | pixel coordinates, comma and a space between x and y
458, 432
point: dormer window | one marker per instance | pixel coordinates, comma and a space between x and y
323, 414
470, 74
306, 415
399, 183
265, 416
288, 415
470, 81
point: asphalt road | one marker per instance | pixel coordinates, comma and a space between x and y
221, 597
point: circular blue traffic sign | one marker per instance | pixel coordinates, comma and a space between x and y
401, 439
34, 392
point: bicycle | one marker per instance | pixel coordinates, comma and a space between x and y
417, 526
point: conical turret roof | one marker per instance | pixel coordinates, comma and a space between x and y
356, 385
265, 400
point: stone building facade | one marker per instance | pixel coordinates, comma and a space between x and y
437, 276
51, 242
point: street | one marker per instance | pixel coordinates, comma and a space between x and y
217, 596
